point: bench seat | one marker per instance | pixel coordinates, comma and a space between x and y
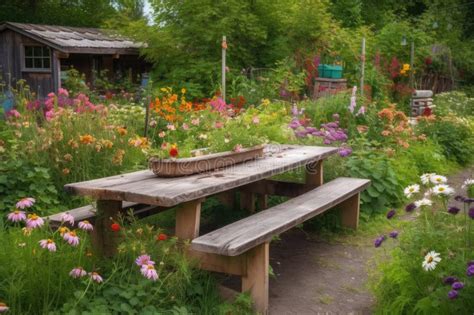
240, 236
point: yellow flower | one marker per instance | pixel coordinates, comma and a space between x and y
63, 230
26, 231
183, 91
406, 67
265, 102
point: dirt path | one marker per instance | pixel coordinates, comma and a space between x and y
317, 277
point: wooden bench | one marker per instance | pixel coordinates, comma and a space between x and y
242, 248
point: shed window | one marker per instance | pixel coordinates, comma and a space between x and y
37, 57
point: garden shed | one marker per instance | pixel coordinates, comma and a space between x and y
41, 55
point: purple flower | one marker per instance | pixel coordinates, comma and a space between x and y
410, 207
454, 210
343, 152
457, 285
379, 240
450, 280
468, 200
332, 125
311, 129
459, 198
393, 234
470, 263
361, 111
301, 133
318, 133
453, 294
327, 141
470, 271
391, 214
471, 213
294, 124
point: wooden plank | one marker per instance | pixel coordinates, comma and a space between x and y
233, 265
188, 218
145, 187
245, 234
277, 188
256, 280
104, 239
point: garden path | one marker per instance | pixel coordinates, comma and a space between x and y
326, 277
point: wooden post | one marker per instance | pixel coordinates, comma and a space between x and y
262, 201
350, 212
224, 48
412, 60
256, 280
105, 240
362, 67
188, 218
227, 198
314, 174
247, 201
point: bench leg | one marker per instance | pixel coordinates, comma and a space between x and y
256, 280
262, 201
247, 201
350, 212
105, 240
314, 174
188, 218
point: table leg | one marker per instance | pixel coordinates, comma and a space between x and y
256, 279
247, 201
188, 218
104, 239
314, 174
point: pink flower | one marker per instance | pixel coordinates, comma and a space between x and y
17, 216
25, 203
237, 148
219, 124
162, 134
3, 308
63, 92
361, 111
144, 260
77, 272
96, 277
185, 126
34, 221
71, 238
85, 225
171, 127
48, 244
66, 217
51, 95
149, 272
164, 145
49, 115
195, 121
13, 113
256, 120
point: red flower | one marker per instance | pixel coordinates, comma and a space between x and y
162, 237
115, 227
174, 151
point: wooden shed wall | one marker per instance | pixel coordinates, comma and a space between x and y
11, 63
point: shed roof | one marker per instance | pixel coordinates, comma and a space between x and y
76, 39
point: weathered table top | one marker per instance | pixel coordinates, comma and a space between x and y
145, 187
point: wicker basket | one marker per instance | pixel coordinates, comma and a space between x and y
204, 163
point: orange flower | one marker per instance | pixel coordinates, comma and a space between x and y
141, 142
66, 171
86, 139
122, 131
386, 133
118, 157
73, 144
386, 113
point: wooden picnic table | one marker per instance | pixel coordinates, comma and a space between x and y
187, 193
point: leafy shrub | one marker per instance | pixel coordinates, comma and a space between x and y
384, 190
455, 102
454, 135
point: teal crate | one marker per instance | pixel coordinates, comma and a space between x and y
330, 71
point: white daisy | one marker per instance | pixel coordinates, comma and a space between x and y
438, 179
425, 178
468, 182
411, 190
431, 260
443, 190
423, 202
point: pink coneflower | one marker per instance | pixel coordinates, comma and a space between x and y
34, 221
71, 238
77, 272
237, 148
48, 244
3, 308
66, 217
185, 126
96, 277
161, 134
195, 121
25, 203
144, 260
171, 127
85, 225
17, 216
256, 120
219, 124
149, 272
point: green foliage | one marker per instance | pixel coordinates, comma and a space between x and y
454, 135
75, 82
385, 190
